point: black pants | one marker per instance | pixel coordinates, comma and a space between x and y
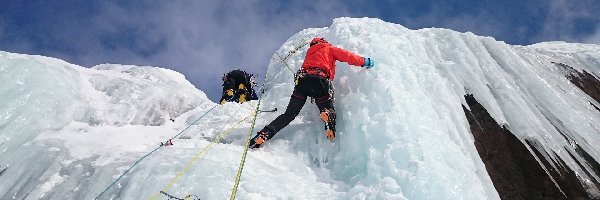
308, 86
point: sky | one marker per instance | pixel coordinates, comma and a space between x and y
205, 39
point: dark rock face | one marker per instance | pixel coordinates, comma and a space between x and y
585, 81
513, 169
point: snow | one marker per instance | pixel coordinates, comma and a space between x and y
402, 133
54, 180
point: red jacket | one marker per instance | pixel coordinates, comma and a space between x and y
323, 55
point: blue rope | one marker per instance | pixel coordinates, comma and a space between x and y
126, 171
195, 121
138, 161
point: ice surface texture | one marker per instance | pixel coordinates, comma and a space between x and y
402, 133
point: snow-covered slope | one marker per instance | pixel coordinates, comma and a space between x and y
68, 132
56, 118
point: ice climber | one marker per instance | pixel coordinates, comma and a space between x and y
238, 87
313, 80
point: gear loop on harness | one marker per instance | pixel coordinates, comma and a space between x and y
322, 75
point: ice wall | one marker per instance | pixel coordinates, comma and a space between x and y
402, 129
48, 106
68, 132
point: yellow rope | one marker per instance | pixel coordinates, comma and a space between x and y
198, 155
286, 65
225, 133
243, 160
290, 53
241, 166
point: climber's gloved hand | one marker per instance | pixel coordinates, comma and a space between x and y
369, 63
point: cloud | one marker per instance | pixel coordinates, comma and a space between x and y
572, 21
201, 39
204, 39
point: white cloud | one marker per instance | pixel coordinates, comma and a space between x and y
562, 17
203, 39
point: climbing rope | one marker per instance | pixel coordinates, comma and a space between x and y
198, 155
243, 160
285, 64
256, 111
292, 52
127, 171
283, 59
138, 161
241, 166
177, 198
186, 128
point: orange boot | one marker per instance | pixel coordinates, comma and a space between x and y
260, 138
328, 116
